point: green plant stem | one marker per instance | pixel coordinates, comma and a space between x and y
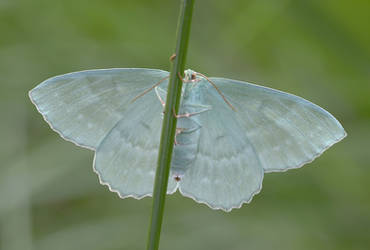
169, 124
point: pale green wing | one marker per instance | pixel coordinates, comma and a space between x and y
126, 159
227, 171
286, 131
93, 109
84, 106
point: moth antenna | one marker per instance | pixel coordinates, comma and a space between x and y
149, 89
219, 91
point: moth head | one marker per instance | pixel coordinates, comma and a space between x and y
190, 76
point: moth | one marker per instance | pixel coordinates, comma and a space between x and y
229, 133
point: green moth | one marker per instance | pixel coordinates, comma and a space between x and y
229, 133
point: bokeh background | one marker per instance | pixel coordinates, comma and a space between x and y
50, 199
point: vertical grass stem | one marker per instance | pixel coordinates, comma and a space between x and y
169, 124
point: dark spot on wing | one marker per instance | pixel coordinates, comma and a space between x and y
145, 125
220, 138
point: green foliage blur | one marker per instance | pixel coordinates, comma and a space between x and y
50, 198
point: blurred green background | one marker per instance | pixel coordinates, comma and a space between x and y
50, 198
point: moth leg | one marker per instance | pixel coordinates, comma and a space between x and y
181, 78
172, 57
187, 115
178, 131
